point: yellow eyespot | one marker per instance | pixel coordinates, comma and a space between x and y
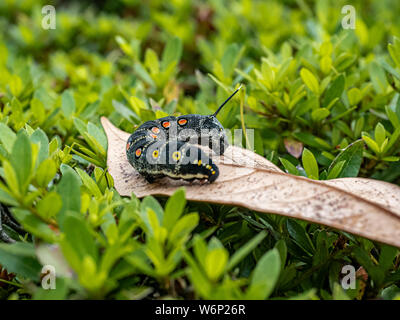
213, 172
199, 163
155, 154
176, 155
208, 167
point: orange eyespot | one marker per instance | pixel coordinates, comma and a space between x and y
153, 136
128, 146
155, 130
138, 152
182, 122
166, 124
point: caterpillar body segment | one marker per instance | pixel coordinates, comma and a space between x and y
175, 159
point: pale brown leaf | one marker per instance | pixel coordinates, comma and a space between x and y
366, 207
295, 148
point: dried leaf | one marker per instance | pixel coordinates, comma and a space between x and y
366, 207
294, 147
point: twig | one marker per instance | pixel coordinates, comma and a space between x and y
9, 221
3, 235
12, 283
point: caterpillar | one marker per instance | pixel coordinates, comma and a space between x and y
167, 146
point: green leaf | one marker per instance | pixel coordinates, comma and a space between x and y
380, 134
7, 137
45, 172
89, 183
21, 160
200, 249
229, 59
15, 84
290, 168
151, 203
371, 143
352, 156
359, 126
320, 114
77, 236
311, 140
174, 209
280, 245
6, 198
265, 276
310, 80
336, 170
307, 295
139, 260
143, 74
376, 273
98, 134
11, 178
243, 251
338, 292
39, 137
19, 258
69, 190
34, 225
354, 96
393, 117
183, 228
38, 110
378, 78
326, 64
215, 263
125, 111
68, 106
391, 293
300, 236
334, 90
80, 125
125, 47
394, 51
172, 52
391, 159
50, 205
310, 164
344, 61
387, 256
151, 61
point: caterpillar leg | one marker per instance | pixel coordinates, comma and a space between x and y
149, 178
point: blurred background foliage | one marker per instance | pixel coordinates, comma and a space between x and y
323, 100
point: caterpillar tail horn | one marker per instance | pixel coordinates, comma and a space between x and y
222, 105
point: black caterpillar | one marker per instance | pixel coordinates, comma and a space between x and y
166, 146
